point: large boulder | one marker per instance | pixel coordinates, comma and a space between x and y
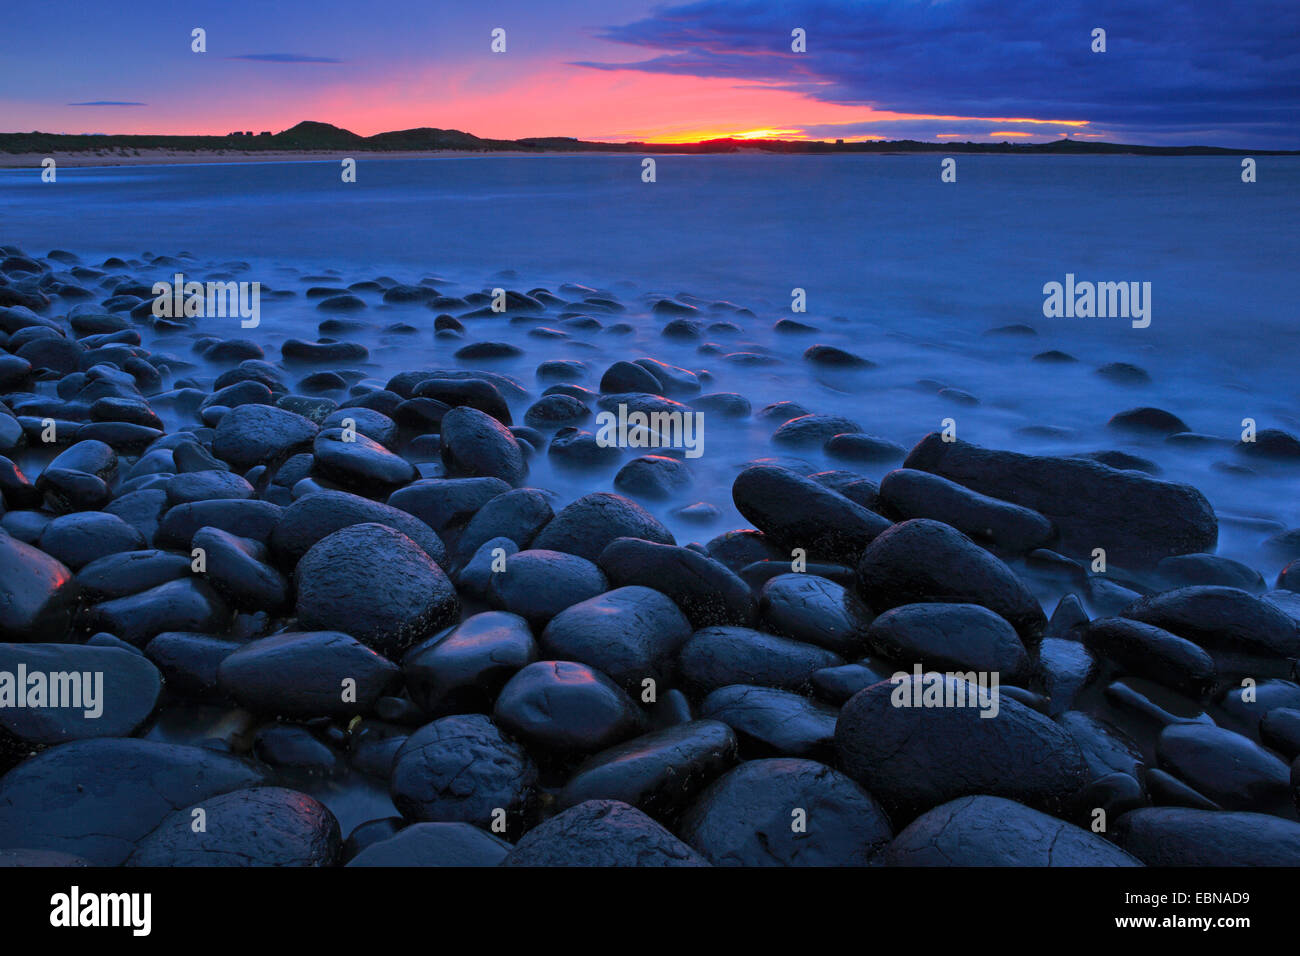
1137, 519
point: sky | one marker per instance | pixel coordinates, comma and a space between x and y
1174, 72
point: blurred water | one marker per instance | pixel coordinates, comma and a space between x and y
897, 266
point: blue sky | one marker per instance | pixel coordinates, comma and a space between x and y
1190, 72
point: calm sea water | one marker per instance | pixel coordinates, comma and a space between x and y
897, 266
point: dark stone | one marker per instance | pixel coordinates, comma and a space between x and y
339, 578
183, 605
36, 593
797, 512
950, 637
1149, 651
447, 502
260, 434
909, 493
775, 722
1135, 518
601, 833
714, 657
130, 572
659, 773
706, 591
747, 816
302, 675
518, 515
475, 444
587, 526
435, 844
262, 826
96, 798
538, 584
314, 516
565, 708
463, 669
924, 561
815, 610
1174, 836
656, 477
913, 758
993, 831
1232, 770
461, 769
111, 693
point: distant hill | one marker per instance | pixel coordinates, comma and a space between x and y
324, 137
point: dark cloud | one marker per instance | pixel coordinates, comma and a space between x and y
283, 58
107, 103
1173, 69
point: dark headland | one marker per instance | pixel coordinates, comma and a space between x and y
316, 137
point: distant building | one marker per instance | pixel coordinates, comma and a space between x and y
839, 142
265, 132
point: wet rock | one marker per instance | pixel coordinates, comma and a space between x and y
435, 844
361, 463
183, 605
237, 568
992, 831
461, 769
923, 561
797, 512
464, 669
314, 516
253, 518
772, 721
77, 539
714, 657
1065, 668
1182, 570
260, 434
706, 591
302, 675
723, 404
1153, 421
1240, 631
1272, 444
746, 817
189, 662
832, 357
130, 572
655, 477
109, 693
37, 593
1280, 729
627, 377
1174, 836
587, 526
96, 798
565, 708
262, 826
538, 584
476, 445
659, 773
476, 393
815, 610
910, 493
913, 758
629, 633
518, 515
601, 833
205, 485
1135, 518
1149, 651
338, 579
444, 503
813, 430
1232, 770
554, 412
950, 637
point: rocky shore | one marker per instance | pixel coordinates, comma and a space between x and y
293, 584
